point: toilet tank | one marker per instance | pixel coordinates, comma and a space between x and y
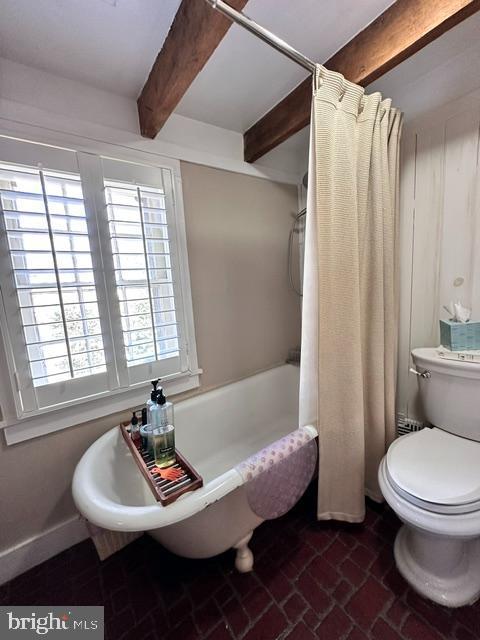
451, 395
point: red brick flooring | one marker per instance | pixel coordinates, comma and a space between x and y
311, 580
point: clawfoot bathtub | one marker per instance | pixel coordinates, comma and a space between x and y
215, 431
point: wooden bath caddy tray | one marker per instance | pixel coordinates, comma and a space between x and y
165, 491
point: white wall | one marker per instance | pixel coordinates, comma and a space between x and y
51, 105
440, 229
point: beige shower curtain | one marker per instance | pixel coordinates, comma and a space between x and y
349, 330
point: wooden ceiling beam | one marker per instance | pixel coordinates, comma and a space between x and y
403, 29
196, 31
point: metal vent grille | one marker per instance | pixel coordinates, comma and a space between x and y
407, 425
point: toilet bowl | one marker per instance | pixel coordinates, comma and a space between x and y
431, 479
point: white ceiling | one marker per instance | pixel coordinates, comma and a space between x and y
245, 77
444, 70
111, 44
439, 73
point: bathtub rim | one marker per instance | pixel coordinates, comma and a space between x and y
114, 516
108, 514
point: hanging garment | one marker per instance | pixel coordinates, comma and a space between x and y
349, 323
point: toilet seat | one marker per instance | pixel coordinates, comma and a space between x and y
436, 471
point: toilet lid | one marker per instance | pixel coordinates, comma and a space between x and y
436, 467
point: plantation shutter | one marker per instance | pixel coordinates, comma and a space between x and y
49, 284
95, 290
144, 270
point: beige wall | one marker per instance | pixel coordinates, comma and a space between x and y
246, 318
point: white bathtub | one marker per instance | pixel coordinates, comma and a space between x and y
215, 431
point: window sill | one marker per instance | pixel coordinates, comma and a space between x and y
76, 414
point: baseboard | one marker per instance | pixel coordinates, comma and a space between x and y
35, 550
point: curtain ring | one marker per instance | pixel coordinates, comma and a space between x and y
319, 78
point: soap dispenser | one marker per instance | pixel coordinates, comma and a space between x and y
153, 400
164, 446
150, 418
164, 434
165, 408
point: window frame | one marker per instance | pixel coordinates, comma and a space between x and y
20, 425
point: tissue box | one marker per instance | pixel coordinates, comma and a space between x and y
459, 336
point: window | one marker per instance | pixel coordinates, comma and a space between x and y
94, 276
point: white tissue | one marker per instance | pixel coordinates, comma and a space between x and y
458, 313
462, 314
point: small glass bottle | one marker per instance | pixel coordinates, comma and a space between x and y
135, 431
164, 445
146, 438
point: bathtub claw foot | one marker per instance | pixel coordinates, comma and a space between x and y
244, 557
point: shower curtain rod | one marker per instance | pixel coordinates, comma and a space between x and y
262, 33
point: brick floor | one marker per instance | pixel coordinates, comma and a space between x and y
312, 580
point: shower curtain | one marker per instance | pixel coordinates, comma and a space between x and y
349, 322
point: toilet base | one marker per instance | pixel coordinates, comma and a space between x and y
443, 569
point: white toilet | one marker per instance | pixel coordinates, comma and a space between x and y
431, 479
